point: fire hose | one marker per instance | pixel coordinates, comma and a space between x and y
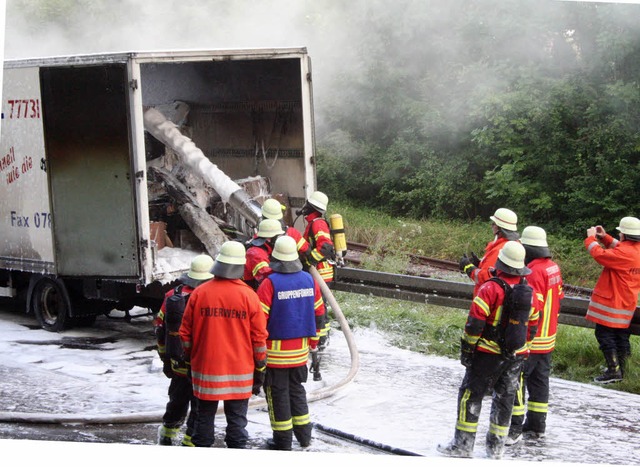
152, 417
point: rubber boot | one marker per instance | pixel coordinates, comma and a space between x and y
613, 373
166, 435
495, 445
460, 446
281, 441
623, 357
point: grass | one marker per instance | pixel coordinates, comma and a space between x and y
436, 330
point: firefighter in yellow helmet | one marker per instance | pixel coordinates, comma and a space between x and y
273, 209
321, 253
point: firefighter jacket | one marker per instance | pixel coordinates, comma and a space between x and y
615, 296
293, 306
178, 367
224, 334
257, 265
483, 272
318, 235
301, 243
485, 316
546, 280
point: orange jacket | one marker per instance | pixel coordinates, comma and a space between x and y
615, 296
483, 272
224, 333
546, 280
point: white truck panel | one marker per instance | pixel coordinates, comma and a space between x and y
25, 219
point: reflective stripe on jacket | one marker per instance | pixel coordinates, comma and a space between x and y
486, 313
317, 233
224, 334
483, 273
546, 280
289, 353
615, 296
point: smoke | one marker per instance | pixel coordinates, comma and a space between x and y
405, 43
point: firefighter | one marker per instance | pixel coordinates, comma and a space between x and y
224, 334
321, 253
546, 280
615, 297
504, 224
259, 252
272, 209
488, 370
292, 302
166, 330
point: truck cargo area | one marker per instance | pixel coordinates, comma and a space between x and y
142, 161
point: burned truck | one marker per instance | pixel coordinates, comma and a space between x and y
117, 169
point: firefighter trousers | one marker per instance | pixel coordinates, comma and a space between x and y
288, 407
488, 374
534, 384
180, 399
235, 411
614, 340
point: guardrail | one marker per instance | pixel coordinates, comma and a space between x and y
445, 293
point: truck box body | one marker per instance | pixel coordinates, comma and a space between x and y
75, 204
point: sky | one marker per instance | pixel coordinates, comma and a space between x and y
370, 390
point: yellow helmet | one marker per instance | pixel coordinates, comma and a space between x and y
272, 209
284, 257
201, 268
230, 260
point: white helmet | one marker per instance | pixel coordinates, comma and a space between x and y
319, 201
629, 226
272, 209
511, 259
230, 260
269, 228
285, 256
534, 236
201, 268
285, 249
199, 272
505, 219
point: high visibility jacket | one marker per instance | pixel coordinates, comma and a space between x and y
291, 303
483, 272
546, 280
486, 313
615, 297
179, 368
318, 235
257, 266
301, 243
224, 334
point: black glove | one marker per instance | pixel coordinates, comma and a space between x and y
166, 368
474, 259
466, 353
466, 266
311, 261
258, 379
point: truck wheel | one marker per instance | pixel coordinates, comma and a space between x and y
51, 304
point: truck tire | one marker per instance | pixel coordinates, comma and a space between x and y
51, 304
